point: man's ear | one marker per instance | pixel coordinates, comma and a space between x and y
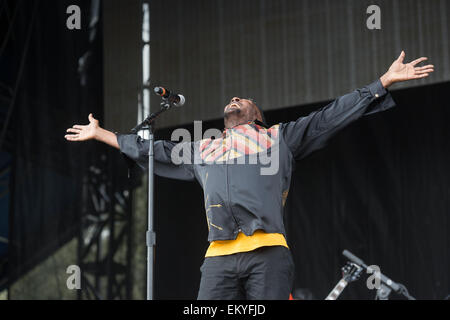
256, 112
260, 114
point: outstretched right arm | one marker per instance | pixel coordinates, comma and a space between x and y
92, 131
136, 149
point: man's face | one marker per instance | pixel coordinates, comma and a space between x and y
240, 111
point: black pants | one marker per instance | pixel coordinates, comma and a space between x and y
266, 273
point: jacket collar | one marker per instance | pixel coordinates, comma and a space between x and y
255, 124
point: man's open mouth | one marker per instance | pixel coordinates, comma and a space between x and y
232, 106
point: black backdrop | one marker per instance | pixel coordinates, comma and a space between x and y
47, 170
380, 189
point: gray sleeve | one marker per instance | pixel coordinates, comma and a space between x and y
310, 133
135, 148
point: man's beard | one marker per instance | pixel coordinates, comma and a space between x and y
234, 112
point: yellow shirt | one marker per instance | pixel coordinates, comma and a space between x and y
244, 243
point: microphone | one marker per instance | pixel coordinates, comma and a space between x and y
177, 100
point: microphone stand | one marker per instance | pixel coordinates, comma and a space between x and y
147, 124
386, 285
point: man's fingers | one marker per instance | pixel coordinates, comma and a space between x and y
91, 117
72, 137
73, 130
78, 127
401, 56
420, 76
430, 66
417, 61
424, 71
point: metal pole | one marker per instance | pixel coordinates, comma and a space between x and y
151, 236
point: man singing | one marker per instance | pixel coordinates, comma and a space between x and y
248, 257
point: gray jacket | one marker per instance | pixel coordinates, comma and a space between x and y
246, 173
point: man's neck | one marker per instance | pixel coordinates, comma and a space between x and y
232, 124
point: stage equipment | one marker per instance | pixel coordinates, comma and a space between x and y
350, 272
104, 242
387, 285
177, 100
168, 102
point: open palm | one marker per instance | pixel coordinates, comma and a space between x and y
400, 71
83, 133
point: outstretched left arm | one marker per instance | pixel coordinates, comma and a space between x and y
399, 71
312, 132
